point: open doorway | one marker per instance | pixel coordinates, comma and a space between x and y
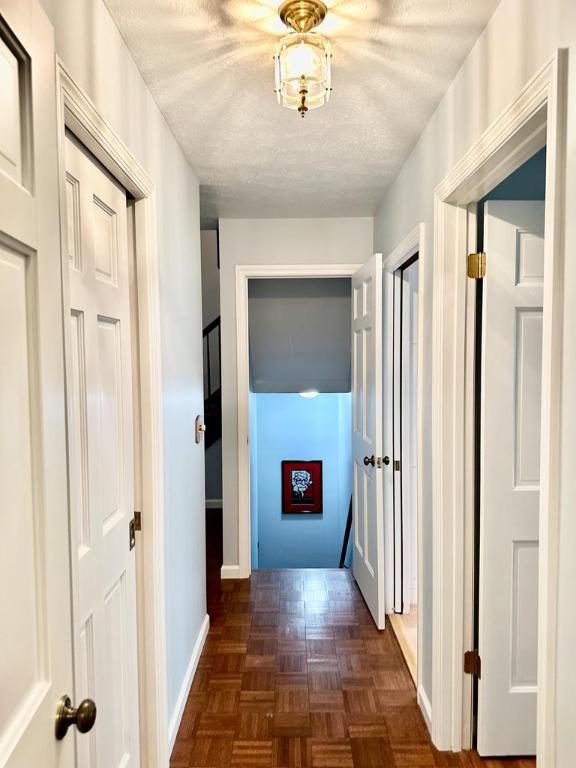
300, 422
508, 400
405, 337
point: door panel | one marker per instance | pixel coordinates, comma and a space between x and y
99, 369
35, 641
510, 477
367, 434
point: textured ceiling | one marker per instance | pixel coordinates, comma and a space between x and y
209, 66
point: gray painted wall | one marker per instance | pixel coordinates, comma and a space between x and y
299, 334
210, 311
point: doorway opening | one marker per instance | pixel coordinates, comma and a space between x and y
405, 339
509, 306
300, 422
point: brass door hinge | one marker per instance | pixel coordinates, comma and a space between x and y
137, 520
477, 265
472, 663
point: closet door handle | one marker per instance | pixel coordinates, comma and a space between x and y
369, 460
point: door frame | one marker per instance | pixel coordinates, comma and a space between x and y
77, 113
245, 272
537, 117
414, 242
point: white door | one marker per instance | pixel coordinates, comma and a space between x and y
367, 435
100, 434
510, 466
35, 639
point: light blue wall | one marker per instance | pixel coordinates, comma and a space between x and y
287, 426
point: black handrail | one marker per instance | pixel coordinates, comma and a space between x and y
346, 536
210, 328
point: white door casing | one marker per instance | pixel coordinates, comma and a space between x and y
368, 540
409, 460
397, 439
510, 477
100, 434
36, 644
405, 434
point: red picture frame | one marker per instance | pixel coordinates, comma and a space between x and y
302, 488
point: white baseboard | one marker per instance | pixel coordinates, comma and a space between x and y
176, 718
424, 704
213, 503
232, 572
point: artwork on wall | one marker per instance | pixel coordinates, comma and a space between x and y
301, 487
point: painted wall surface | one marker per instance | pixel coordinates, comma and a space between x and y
521, 37
210, 276
300, 334
210, 311
290, 427
269, 241
92, 50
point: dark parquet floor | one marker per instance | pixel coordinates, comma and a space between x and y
294, 674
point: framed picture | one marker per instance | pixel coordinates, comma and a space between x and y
301, 487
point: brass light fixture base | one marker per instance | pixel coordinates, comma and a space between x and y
302, 15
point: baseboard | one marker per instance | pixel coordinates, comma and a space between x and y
176, 718
232, 572
213, 503
424, 704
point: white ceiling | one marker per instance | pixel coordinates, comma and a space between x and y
209, 66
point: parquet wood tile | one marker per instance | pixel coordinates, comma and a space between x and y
294, 674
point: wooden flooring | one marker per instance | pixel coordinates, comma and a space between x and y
405, 626
294, 674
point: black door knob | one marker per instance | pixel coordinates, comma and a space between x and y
83, 717
369, 460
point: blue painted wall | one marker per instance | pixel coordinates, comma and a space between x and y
287, 426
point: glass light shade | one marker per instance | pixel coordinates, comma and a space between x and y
303, 69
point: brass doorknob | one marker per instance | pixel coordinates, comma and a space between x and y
83, 717
369, 460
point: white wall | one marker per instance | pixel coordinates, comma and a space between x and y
92, 50
269, 241
519, 39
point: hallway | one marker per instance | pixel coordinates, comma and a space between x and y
294, 674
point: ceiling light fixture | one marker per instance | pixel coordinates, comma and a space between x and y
303, 58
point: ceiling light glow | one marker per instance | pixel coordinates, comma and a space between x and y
303, 58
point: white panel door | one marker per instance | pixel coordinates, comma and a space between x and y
35, 638
510, 477
100, 435
367, 435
